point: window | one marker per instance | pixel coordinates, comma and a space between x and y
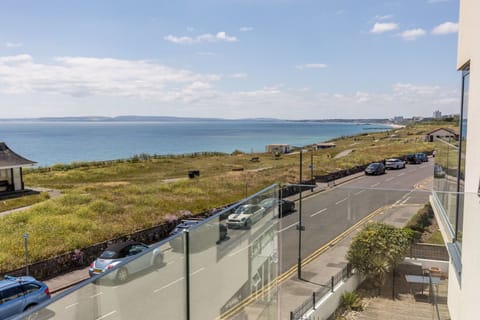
30, 287
10, 294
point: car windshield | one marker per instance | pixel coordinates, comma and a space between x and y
245, 210
373, 165
107, 254
267, 202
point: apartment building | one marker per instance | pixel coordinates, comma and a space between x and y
456, 196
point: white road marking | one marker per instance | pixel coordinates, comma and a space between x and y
96, 295
318, 212
286, 228
359, 192
107, 315
195, 272
390, 179
178, 280
424, 166
401, 174
71, 305
375, 185
340, 201
168, 285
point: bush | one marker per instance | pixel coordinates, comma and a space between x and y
352, 301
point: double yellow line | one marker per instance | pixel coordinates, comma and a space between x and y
290, 272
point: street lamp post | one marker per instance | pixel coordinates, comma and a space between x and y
25, 236
311, 169
300, 227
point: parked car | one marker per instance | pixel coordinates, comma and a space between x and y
422, 156
245, 216
119, 252
394, 163
375, 168
438, 171
202, 237
284, 206
412, 158
18, 294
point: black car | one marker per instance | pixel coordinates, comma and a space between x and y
413, 159
285, 207
422, 156
375, 168
201, 238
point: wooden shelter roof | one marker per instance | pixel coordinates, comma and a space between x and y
10, 159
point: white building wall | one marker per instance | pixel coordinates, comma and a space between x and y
17, 179
463, 297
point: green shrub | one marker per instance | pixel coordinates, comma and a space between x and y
352, 301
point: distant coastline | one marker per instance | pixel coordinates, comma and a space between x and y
135, 118
51, 142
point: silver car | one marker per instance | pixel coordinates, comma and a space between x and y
245, 216
119, 252
394, 164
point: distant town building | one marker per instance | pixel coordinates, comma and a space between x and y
278, 148
437, 115
441, 133
398, 119
11, 177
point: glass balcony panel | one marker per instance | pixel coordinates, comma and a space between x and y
154, 289
231, 274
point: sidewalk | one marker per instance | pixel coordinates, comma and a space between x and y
293, 292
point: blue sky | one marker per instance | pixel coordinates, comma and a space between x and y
289, 59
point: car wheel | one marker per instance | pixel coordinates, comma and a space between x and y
32, 316
248, 224
122, 275
158, 261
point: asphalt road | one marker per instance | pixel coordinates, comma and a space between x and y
325, 215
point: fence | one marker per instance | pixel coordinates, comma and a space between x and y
325, 289
429, 251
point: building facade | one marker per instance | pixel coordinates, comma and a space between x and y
456, 197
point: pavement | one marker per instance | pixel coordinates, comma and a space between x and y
324, 263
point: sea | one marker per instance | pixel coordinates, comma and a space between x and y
55, 142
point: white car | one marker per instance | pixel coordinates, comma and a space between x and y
245, 216
394, 164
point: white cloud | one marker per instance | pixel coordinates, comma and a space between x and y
13, 44
82, 76
207, 37
381, 27
238, 75
413, 34
445, 28
246, 29
312, 66
79, 85
384, 17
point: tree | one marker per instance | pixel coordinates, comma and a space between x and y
377, 248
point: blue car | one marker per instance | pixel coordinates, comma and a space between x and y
18, 294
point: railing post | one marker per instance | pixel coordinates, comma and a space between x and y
314, 303
187, 272
332, 282
291, 315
